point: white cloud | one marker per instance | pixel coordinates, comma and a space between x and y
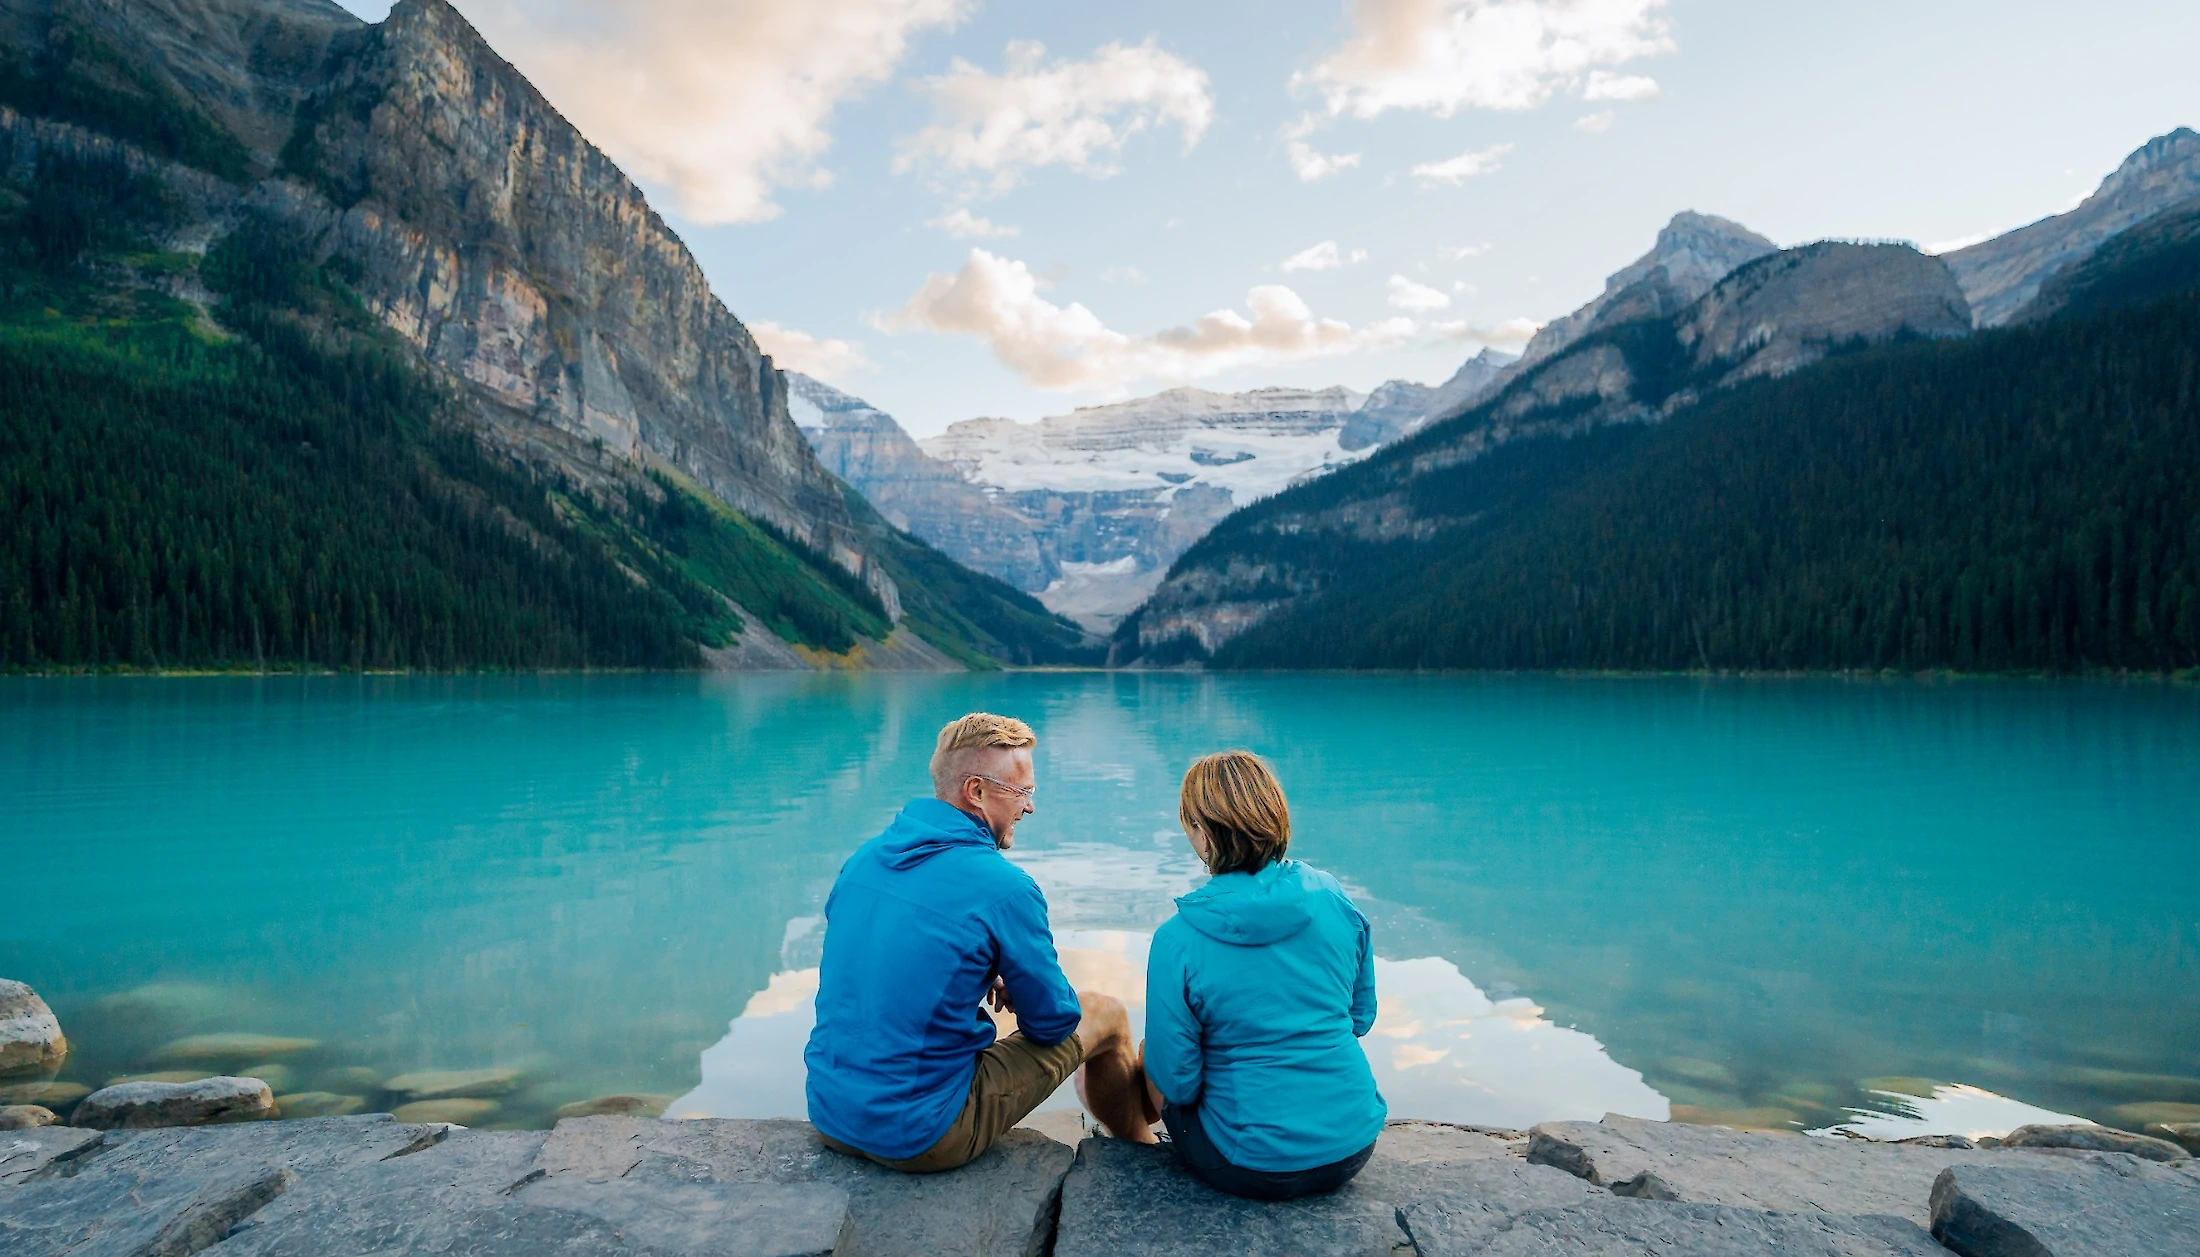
719, 101
1077, 114
1457, 170
1605, 85
1442, 56
1404, 294
1461, 252
1122, 275
799, 351
1510, 334
1306, 161
996, 299
1595, 123
1325, 256
964, 225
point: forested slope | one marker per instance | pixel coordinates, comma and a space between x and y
271, 479
2021, 500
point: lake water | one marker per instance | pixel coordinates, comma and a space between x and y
1746, 901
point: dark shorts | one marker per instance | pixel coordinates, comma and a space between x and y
1014, 1077
1203, 1159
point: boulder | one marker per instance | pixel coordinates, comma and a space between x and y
437, 1084
1133, 1200
30, 1035
1620, 1228
459, 1110
318, 1104
2056, 1207
25, 1116
1001, 1203
24, 1152
1784, 1173
235, 1049
50, 1094
136, 1105
2090, 1138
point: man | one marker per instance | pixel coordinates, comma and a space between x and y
926, 922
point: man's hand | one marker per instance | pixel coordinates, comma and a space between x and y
999, 997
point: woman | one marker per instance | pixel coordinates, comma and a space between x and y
1256, 994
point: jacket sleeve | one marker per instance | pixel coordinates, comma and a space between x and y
1173, 1033
1046, 1006
1363, 986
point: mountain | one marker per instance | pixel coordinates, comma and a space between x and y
2022, 499
2158, 257
1087, 510
278, 171
1999, 276
1770, 317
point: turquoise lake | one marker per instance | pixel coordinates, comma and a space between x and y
1746, 901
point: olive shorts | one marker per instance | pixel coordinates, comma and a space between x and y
1014, 1077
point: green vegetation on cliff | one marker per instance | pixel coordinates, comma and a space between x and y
2020, 500
289, 488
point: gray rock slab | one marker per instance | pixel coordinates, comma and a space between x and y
2104, 1207
140, 1105
24, 1153
30, 1036
1000, 1204
1133, 1200
1755, 1170
483, 1194
171, 1192
1623, 1228
2091, 1138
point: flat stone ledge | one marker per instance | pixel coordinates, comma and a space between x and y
2105, 1207
1622, 1228
24, 1153
1768, 1171
1132, 1200
1003, 1203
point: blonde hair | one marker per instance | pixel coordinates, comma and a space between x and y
1235, 800
965, 741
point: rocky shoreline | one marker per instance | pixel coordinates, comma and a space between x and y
167, 1165
710, 1187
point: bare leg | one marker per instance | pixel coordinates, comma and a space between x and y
1112, 1081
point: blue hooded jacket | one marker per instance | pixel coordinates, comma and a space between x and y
1257, 992
920, 921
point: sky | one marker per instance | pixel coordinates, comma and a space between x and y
960, 208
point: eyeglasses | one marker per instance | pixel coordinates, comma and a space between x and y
1030, 796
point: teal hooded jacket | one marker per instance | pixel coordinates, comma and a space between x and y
1257, 993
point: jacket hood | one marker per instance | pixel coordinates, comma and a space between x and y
926, 827
1253, 909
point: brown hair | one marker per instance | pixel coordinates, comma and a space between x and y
963, 742
1235, 800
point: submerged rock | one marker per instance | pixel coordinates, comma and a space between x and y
434, 1084
2184, 1134
25, 1116
49, 1094
616, 1106
2158, 1113
458, 1110
30, 1035
2093, 1139
237, 1048
319, 1104
138, 1105
349, 1079
162, 1075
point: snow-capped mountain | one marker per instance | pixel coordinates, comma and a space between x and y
1088, 509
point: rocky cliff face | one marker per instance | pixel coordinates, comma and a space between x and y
480, 226
916, 492
1769, 317
1400, 407
1692, 252
2001, 275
